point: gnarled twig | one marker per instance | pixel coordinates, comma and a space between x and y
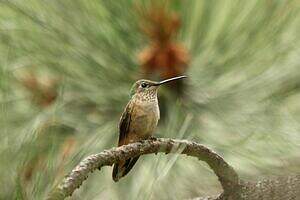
226, 174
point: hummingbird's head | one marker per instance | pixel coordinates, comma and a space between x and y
149, 88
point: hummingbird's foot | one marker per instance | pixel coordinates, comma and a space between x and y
153, 138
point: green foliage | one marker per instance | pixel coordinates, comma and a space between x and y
242, 96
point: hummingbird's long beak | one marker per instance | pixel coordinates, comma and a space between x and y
169, 80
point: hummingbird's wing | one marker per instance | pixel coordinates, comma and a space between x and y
124, 124
123, 167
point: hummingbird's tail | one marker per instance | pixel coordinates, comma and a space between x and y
122, 168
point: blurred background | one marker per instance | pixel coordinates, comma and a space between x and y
66, 69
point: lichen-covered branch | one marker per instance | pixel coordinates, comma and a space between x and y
225, 173
287, 188
279, 188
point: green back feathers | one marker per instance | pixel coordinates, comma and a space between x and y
133, 89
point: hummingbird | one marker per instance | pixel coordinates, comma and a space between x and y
139, 119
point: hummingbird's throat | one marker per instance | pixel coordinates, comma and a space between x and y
147, 96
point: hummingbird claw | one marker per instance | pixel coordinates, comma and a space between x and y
153, 138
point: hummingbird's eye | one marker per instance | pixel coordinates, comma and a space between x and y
144, 85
